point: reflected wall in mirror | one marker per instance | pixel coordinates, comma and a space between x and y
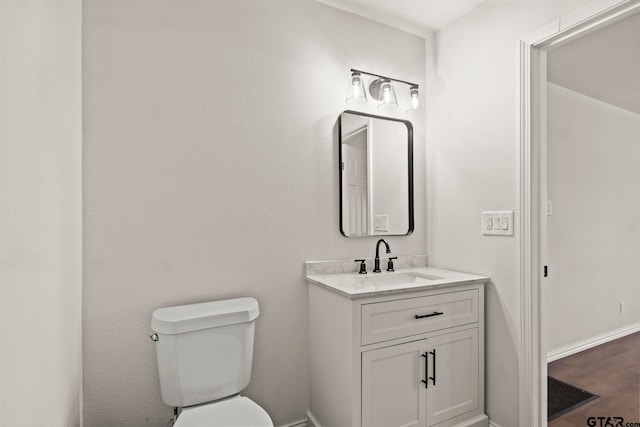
376, 175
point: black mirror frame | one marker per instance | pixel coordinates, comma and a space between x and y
410, 170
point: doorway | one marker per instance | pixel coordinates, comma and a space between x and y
536, 50
593, 224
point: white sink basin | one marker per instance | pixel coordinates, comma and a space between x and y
401, 278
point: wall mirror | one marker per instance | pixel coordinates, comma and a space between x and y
376, 175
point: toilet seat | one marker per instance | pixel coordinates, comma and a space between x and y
235, 411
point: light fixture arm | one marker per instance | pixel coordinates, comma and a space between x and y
416, 85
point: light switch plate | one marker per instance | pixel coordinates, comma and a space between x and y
497, 223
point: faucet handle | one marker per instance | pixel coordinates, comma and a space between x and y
390, 263
363, 266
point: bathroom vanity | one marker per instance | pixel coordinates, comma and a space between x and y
403, 348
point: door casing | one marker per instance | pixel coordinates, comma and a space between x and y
533, 190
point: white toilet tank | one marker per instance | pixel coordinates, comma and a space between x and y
204, 350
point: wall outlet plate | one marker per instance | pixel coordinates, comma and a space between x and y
497, 223
381, 222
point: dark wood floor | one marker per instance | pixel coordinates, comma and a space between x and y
612, 371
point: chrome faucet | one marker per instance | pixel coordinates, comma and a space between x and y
377, 266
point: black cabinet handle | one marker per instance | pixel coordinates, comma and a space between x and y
433, 378
426, 370
435, 313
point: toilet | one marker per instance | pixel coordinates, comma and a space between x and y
205, 353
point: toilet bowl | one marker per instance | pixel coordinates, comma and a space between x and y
205, 354
231, 412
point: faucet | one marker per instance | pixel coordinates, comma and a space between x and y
377, 266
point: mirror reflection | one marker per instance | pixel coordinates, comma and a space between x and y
376, 175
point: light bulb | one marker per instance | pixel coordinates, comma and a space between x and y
415, 100
357, 88
387, 95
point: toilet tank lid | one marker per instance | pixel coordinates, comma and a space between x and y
193, 317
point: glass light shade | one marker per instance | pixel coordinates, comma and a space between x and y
356, 93
415, 101
387, 96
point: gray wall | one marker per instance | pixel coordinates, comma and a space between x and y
473, 166
594, 232
210, 171
40, 208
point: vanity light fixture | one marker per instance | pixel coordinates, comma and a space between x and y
381, 89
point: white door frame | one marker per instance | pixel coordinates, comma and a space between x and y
533, 176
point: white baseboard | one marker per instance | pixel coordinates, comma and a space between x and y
579, 346
299, 423
479, 420
311, 420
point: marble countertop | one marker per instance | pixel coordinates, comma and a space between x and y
354, 285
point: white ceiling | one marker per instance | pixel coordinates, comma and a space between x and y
420, 17
604, 65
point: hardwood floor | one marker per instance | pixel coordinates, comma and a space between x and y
612, 371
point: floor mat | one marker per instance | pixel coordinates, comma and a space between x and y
563, 397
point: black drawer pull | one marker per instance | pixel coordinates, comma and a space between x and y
435, 313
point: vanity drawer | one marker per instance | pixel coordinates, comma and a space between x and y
396, 319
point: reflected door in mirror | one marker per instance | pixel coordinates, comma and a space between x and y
356, 184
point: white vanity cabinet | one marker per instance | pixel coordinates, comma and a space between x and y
391, 396
413, 358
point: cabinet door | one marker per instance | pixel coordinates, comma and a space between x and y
392, 391
456, 371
